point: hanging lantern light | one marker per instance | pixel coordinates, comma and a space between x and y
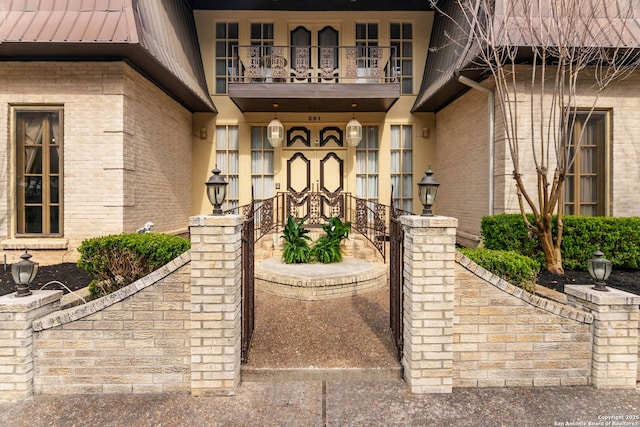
275, 130
354, 130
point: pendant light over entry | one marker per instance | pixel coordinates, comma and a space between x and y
354, 129
275, 130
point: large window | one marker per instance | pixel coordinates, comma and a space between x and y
402, 166
226, 39
228, 162
401, 35
366, 38
38, 136
261, 163
585, 182
262, 35
367, 165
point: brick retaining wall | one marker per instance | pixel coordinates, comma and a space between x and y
136, 340
504, 336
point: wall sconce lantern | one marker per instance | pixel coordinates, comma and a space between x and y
354, 130
600, 269
428, 191
216, 191
275, 130
23, 273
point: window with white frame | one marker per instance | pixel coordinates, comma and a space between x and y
261, 163
227, 160
38, 141
401, 37
585, 181
367, 164
226, 40
402, 166
366, 38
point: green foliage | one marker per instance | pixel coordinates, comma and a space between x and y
327, 248
516, 269
118, 260
296, 247
617, 237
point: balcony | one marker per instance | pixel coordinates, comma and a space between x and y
313, 78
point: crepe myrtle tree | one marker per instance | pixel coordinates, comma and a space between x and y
548, 59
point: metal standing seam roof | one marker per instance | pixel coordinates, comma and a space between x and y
157, 36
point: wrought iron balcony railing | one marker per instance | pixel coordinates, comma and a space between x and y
314, 64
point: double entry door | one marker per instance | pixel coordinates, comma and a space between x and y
315, 179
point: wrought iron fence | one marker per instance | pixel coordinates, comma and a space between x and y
314, 64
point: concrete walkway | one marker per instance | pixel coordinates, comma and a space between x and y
349, 403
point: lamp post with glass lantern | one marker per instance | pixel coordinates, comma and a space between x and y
216, 190
600, 269
428, 191
23, 273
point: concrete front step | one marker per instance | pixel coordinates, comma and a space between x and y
250, 374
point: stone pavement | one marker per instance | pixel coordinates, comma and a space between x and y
348, 403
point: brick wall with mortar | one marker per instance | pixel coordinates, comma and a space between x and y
135, 340
506, 337
127, 152
461, 150
216, 293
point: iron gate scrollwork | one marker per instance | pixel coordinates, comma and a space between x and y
248, 300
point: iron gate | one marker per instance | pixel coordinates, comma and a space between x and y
247, 304
396, 279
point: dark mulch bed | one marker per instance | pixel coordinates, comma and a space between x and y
626, 280
76, 278
68, 273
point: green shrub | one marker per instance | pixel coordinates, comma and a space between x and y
516, 269
327, 248
617, 237
296, 248
118, 260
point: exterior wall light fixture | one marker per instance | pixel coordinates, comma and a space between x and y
23, 273
354, 129
275, 130
428, 191
600, 269
216, 191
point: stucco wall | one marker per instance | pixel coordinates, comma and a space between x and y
136, 340
126, 150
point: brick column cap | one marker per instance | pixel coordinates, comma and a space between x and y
613, 297
429, 221
215, 220
10, 303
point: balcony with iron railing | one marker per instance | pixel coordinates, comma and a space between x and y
314, 78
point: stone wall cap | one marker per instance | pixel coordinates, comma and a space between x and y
10, 303
428, 221
215, 220
61, 317
612, 297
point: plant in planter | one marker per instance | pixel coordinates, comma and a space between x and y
327, 248
296, 248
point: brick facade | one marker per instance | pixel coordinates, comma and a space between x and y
126, 150
136, 340
462, 153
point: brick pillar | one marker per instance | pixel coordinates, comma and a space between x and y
615, 336
429, 278
215, 304
16, 340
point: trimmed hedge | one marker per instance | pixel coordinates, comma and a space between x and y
118, 260
516, 269
617, 237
